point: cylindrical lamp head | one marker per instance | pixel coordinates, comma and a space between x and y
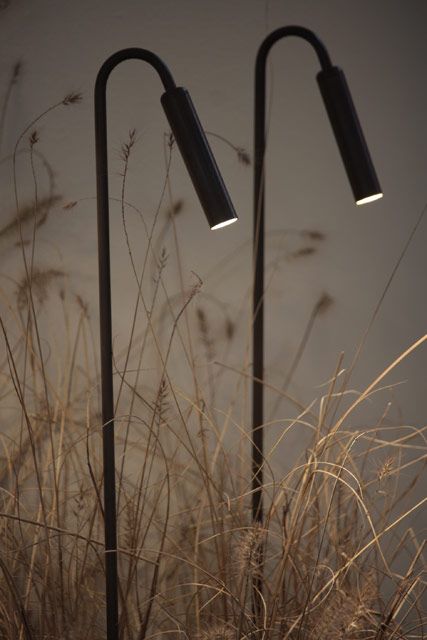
198, 157
349, 135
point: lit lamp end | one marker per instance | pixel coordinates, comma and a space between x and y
198, 157
375, 196
349, 135
223, 224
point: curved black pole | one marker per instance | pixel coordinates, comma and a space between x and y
364, 183
219, 212
258, 249
110, 522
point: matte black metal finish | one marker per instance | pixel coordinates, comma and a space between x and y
363, 181
258, 249
198, 157
202, 155
348, 133
107, 388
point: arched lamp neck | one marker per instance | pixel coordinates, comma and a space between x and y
260, 90
134, 53
295, 31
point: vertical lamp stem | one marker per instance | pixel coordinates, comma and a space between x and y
258, 295
258, 249
219, 211
365, 185
107, 390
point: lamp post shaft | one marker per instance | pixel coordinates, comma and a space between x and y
258, 294
107, 391
105, 322
258, 250
219, 211
363, 180
366, 188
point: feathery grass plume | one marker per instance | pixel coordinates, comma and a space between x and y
175, 208
161, 404
70, 205
72, 98
230, 328
324, 303
161, 265
34, 138
82, 304
313, 234
385, 468
126, 147
16, 71
345, 614
170, 140
242, 155
303, 252
205, 334
41, 279
27, 214
247, 550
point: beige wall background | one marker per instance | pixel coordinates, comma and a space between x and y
210, 48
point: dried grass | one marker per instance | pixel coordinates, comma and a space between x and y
336, 556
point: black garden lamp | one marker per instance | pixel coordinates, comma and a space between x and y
364, 183
219, 210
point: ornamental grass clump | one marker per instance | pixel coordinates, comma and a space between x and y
338, 553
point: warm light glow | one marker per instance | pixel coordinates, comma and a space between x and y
376, 196
223, 224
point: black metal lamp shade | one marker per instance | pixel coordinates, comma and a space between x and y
198, 157
349, 135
